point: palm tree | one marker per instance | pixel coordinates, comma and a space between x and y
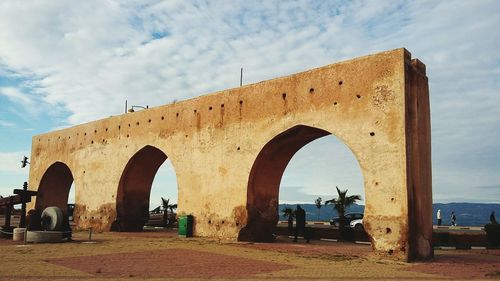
289, 214
167, 206
341, 203
318, 205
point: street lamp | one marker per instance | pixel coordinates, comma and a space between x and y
137, 106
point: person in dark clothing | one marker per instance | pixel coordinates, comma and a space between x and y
33, 220
290, 225
300, 226
492, 218
453, 219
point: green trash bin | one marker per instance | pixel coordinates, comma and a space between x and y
186, 226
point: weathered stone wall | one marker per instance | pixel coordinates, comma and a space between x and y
229, 150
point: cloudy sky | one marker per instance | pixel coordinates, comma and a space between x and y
64, 63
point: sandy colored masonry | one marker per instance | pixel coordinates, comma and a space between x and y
229, 151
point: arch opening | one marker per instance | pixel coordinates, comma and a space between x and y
134, 189
266, 177
55, 188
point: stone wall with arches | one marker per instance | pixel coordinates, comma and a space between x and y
229, 149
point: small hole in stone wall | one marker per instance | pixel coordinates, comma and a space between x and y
106, 129
311, 90
137, 123
103, 140
222, 105
372, 134
84, 172
390, 252
59, 137
100, 218
77, 134
149, 121
241, 102
92, 142
388, 230
95, 131
119, 127
392, 199
238, 148
38, 140
69, 137
209, 222
209, 108
163, 118
223, 222
85, 217
129, 124
194, 111
358, 96
177, 114
283, 95
237, 224
186, 136
376, 183
335, 103
48, 139
128, 135
85, 134
92, 217
81, 143
340, 82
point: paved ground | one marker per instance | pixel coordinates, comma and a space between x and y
163, 256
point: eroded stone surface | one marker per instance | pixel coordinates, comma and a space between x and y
229, 150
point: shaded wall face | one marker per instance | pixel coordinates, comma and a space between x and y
419, 178
54, 188
132, 204
265, 178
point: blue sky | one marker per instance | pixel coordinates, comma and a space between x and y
65, 63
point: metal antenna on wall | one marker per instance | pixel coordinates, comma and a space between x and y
241, 77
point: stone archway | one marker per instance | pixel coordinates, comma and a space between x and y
265, 178
132, 201
378, 105
54, 187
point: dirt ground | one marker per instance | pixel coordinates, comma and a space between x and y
163, 256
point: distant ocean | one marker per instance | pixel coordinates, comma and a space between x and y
468, 214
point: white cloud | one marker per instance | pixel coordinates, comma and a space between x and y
83, 59
15, 95
28, 102
6, 124
11, 162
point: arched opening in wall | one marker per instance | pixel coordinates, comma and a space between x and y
135, 189
54, 189
163, 198
320, 163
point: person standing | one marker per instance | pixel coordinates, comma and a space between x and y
453, 219
300, 216
492, 218
438, 216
